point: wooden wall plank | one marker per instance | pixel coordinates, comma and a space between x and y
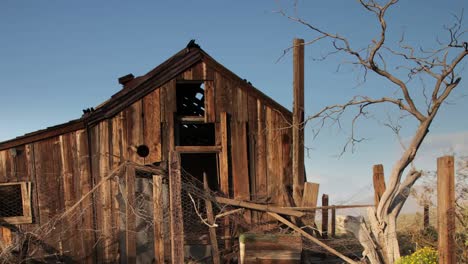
3, 171
152, 126
210, 107
134, 124
223, 93
240, 166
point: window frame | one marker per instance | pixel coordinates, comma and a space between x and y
26, 218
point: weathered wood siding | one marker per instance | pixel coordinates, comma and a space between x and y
66, 167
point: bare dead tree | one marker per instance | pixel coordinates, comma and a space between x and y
441, 65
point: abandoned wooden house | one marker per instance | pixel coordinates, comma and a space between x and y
89, 191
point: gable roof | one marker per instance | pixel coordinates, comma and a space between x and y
136, 89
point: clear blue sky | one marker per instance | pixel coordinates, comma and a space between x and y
59, 57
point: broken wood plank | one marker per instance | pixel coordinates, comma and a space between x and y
309, 199
211, 221
259, 207
310, 209
311, 238
158, 218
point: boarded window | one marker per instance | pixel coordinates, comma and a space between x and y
15, 202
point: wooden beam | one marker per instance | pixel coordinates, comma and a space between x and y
313, 209
446, 209
259, 207
191, 119
198, 149
130, 234
311, 238
211, 221
158, 217
175, 201
298, 120
324, 216
379, 182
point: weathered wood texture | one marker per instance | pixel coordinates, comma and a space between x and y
175, 200
309, 199
158, 210
446, 209
211, 220
379, 182
265, 248
325, 216
298, 120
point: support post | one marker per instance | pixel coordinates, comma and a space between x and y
211, 221
175, 201
446, 209
325, 216
298, 120
130, 234
379, 182
158, 208
309, 199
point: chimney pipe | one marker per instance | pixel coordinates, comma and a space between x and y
298, 121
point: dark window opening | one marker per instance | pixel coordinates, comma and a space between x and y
11, 202
195, 134
190, 99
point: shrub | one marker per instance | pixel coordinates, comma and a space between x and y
425, 255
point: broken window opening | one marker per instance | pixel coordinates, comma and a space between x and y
190, 99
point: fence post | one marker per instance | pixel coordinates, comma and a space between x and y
333, 222
175, 201
325, 216
379, 183
446, 209
426, 215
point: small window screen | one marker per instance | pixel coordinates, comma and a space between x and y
15, 202
11, 203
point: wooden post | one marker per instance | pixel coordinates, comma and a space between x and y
298, 120
211, 221
224, 172
333, 222
175, 201
426, 215
158, 208
130, 234
379, 183
325, 216
446, 209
